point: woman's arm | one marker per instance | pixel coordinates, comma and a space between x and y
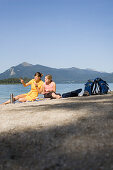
22, 81
54, 86
24, 84
43, 89
39, 88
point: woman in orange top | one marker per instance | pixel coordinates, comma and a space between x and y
36, 87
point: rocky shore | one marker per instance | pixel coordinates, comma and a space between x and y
65, 134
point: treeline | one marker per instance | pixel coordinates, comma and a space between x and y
13, 80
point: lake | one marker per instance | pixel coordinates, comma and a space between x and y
6, 90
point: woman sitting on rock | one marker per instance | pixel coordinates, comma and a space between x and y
36, 87
49, 88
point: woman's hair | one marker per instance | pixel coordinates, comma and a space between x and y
38, 74
49, 77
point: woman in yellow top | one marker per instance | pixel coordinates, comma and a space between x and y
36, 87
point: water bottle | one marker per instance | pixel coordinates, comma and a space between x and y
11, 98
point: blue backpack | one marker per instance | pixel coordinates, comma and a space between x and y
96, 86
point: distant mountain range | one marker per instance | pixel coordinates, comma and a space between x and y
62, 75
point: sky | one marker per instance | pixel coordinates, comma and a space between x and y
57, 33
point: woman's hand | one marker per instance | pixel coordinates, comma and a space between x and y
22, 81
42, 93
35, 84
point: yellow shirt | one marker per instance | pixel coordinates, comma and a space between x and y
30, 96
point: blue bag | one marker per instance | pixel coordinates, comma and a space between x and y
88, 87
103, 86
96, 86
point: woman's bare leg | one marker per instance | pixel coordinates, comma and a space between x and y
15, 98
56, 96
22, 99
19, 96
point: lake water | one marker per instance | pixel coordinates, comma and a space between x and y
6, 90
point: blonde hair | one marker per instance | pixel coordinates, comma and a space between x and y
49, 77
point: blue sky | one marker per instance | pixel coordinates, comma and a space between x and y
57, 33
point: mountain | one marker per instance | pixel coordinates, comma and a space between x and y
62, 75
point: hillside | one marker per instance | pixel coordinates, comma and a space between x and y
62, 75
